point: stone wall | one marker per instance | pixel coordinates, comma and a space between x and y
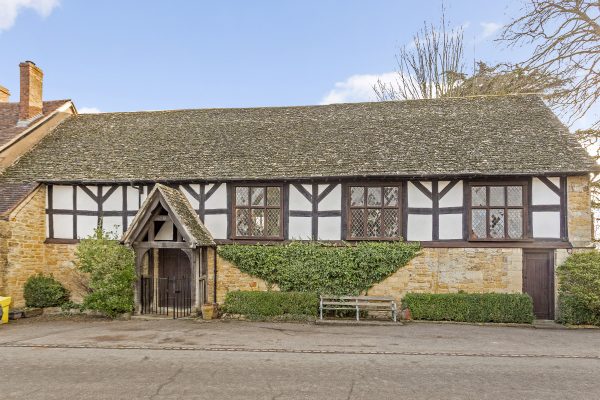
230, 278
442, 270
23, 252
580, 219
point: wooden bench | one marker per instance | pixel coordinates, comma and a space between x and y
358, 303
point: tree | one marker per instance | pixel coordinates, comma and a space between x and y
433, 66
504, 79
428, 67
565, 35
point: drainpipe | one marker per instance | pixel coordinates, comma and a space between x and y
215, 275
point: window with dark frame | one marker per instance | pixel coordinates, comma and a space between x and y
374, 212
258, 212
497, 212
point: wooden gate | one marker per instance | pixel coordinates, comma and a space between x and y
538, 281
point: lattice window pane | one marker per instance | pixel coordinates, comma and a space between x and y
357, 196
515, 195
241, 196
515, 223
374, 196
478, 196
478, 223
390, 197
357, 222
497, 196
373, 222
257, 196
273, 196
242, 222
497, 223
258, 222
391, 224
272, 222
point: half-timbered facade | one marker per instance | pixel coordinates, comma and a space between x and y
488, 185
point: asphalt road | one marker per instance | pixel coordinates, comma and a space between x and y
184, 359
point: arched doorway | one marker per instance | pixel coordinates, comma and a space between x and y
174, 280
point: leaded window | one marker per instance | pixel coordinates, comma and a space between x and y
497, 212
257, 212
374, 212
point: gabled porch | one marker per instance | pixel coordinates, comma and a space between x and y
171, 255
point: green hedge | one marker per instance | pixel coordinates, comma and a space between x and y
44, 291
321, 268
470, 307
579, 290
258, 305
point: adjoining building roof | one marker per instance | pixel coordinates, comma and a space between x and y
180, 211
474, 136
9, 116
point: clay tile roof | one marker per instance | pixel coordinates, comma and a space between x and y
473, 136
11, 194
9, 116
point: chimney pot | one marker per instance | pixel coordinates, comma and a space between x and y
4, 94
30, 104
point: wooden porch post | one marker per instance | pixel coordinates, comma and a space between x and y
139, 258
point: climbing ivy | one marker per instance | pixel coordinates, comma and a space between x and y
321, 268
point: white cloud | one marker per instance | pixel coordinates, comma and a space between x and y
10, 9
88, 110
490, 29
356, 88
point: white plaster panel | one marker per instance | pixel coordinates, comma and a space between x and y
451, 226
546, 224
416, 198
542, 194
196, 188
130, 220
330, 228
300, 228
62, 197
144, 194
133, 198
84, 201
114, 201
419, 227
216, 225
218, 199
454, 198
63, 226
333, 201
165, 232
113, 224
297, 201
86, 224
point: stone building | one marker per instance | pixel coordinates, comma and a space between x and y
494, 188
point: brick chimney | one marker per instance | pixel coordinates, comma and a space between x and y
30, 104
4, 94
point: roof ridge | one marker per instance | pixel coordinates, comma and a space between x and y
440, 99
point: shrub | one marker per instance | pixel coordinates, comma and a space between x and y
321, 268
44, 291
471, 307
258, 305
579, 290
111, 268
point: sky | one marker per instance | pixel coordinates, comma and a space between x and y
152, 55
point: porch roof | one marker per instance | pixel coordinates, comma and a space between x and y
180, 211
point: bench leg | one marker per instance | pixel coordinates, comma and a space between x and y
357, 314
321, 310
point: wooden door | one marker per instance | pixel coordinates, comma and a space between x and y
538, 281
175, 278
173, 263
